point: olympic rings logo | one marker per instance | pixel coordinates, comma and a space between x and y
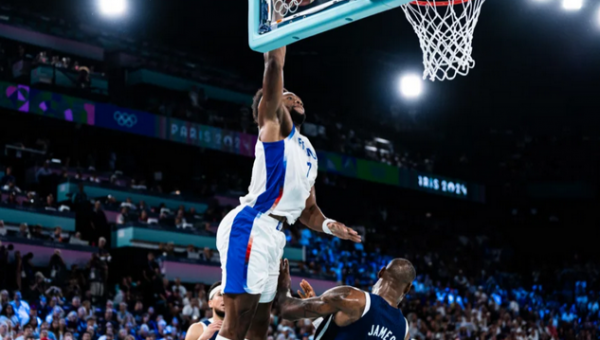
125, 119
283, 8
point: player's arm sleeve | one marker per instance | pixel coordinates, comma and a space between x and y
348, 300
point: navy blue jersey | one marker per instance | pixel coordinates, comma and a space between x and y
379, 321
206, 323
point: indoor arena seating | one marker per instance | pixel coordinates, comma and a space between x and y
37, 216
448, 300
78, 110
329, 131
481, 274
128, 195
461, 278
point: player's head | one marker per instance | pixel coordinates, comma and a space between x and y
396, 279
290, 100
215, 299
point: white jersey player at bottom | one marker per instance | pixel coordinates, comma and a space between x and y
250, 242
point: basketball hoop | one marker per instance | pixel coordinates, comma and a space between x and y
445, 30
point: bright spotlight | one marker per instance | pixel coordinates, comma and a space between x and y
572, 5
113, 7
411, 86
598, 16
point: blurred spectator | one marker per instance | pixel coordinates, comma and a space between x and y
111, 202
5, 273
143, 217
27, 333
123, 217
207, 255
31, 200
122, 314
129, 204
57, 235
21, 308
99, 225
83, 80
192, 253
80, 199
178, 286
103, 253
8, 177
12, 198
24, 231
142, 206
58, 270
98, 271
11, 187
50, 203
27, 275
76, 239
37, 233
193, 309
8, 312
43, 172
2, 228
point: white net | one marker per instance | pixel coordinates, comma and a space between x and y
445, 30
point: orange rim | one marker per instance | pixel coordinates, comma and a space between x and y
439, 3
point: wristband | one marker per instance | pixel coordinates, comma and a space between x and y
326, 227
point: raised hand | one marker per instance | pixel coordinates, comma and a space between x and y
284, 282
340, 230
307, 291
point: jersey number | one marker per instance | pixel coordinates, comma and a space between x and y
309, 167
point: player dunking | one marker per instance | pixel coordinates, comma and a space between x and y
349, 313
250, 238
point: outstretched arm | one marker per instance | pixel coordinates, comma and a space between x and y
313, 217
272, 95
347, 300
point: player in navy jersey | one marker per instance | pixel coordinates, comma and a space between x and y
352, 314
209, 328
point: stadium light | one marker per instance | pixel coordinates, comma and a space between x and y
572, 5
411, 86
598, 16
112, 7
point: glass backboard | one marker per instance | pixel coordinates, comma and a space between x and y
277, 23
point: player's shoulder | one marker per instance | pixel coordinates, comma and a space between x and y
195, 330
344, 292
302, 137
198, 326
203, 323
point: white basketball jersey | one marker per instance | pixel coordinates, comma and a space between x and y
282, 176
